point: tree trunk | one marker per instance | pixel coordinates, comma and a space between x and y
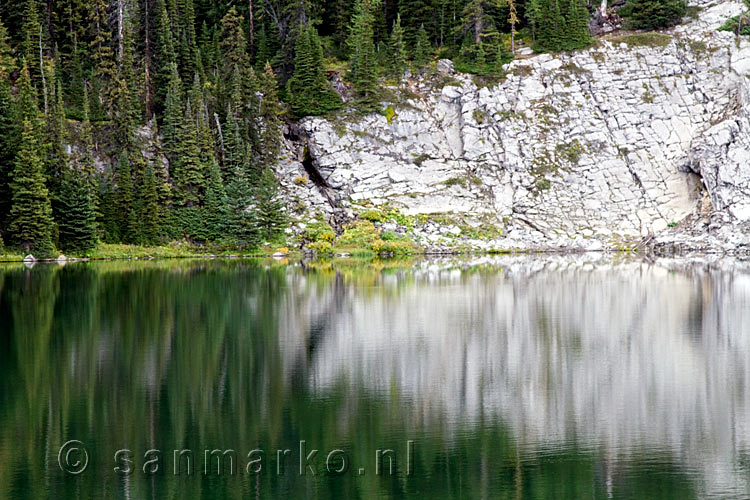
120, 21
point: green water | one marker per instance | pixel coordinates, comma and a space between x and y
556, 377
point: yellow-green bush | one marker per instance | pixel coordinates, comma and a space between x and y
319, 231
321, 247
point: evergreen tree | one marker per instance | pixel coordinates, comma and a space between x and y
8, 129
32, 31
397, 49
241, 227
188, 174
422, 49
416, 15
268, 205
578, 25
363, 63
534, 16
653, 14
270, 117
31, 222
216, 210
77, 228
150, 213
234, 147
123, 201
308, 90
102, 53
172, 114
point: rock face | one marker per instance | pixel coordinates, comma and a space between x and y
589, 149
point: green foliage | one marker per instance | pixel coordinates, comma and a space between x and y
362, 62
268, 206
397, 49
30, 218
241, 227
556, 31
653, 14
319, 231
308, 90
77, 228
422, 48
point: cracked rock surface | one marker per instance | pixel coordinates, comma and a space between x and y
582, 150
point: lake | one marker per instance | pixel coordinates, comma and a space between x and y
584, 376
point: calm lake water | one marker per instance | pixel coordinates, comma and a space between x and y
512, 377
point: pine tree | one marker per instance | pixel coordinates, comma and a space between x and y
241, 227
216, 210
653, 14
26, 104
150, 213
269, 206
32, 30
422, 49
234, 147
363, 63
102, 54
172, 114
397, 49
77, 228
270, 117
8, 129
123, 200
308, 90
30, 218
577, 36
534, 16
188, 174
416, 15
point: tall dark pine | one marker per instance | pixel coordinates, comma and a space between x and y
308, 90
269, 206
77, 229
31, 212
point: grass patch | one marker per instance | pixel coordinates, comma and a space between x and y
455, 181
659, 40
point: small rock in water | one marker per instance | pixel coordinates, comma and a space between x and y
61, 258
29, 258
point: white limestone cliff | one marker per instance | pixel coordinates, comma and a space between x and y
589, 149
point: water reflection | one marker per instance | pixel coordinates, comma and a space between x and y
535, 377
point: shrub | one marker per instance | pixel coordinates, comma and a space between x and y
321, 247
319, 231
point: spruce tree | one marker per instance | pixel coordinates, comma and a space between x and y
241, 228
397, 49
533, 16
150, 214
8, 129
422, 49
30, 217
363, 63
77, 227
216, 210
653, 14
123, 200
172, 114
270, 117
269, 206
102, 54
188, 173
308, 90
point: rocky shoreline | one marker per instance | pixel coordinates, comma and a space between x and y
640, 142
